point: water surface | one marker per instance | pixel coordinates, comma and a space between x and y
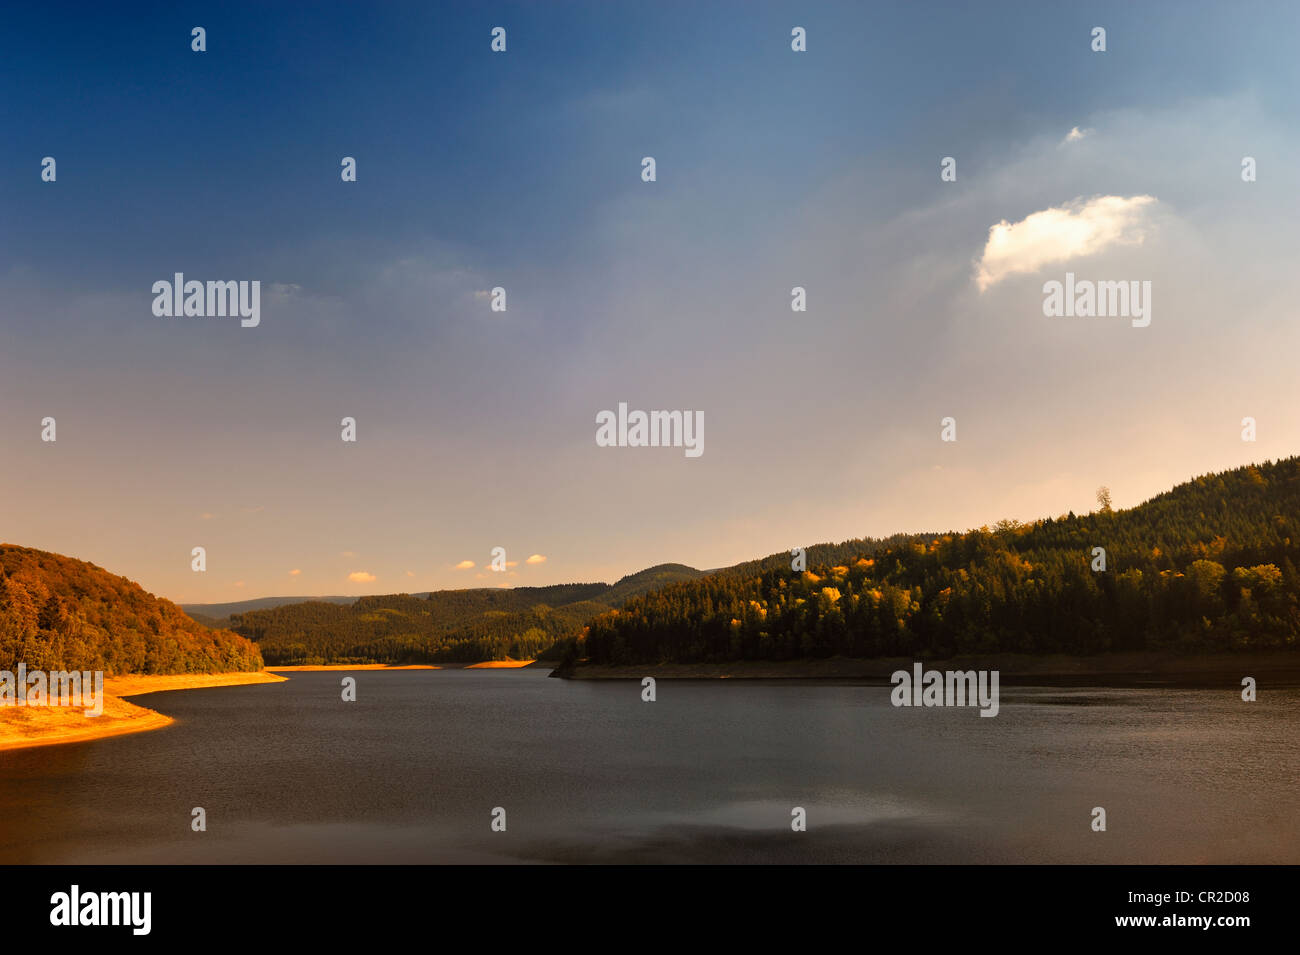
587, 772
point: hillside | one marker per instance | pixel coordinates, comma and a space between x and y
466, 626
221, 613
1209, 566
57, 613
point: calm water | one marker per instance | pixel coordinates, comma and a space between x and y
588, 773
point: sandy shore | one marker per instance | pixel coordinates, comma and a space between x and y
353, 666
489, 665
501, 665
139, 684
1279, 668
24, 726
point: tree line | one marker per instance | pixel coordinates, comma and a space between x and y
1208, 566
447, 626
57, 613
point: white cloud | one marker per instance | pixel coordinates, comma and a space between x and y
1074, 135
1078, 228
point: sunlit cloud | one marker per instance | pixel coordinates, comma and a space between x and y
536, 559
1079, 228
295, 572
465, 565
361, 577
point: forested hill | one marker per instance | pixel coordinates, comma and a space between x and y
465, 626
57, 613
1209, 565
221, 613
827, 555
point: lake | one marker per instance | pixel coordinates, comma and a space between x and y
587, 772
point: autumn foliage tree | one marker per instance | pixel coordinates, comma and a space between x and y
1210, 565
57, 613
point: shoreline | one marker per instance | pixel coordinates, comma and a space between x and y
324, 667
1275, 667
24, 727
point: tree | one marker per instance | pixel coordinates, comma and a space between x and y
1103, 498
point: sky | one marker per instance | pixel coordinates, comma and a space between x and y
523, 170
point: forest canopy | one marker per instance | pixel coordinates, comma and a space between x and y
57, 613
1208, 566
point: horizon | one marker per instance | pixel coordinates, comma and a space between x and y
671, 563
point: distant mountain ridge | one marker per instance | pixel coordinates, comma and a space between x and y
215, 613
221, 611
472, 625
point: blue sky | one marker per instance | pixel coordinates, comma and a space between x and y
522, 170
508, 153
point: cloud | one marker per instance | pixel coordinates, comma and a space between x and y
239, 583
361, 577
295, 572
206, 516
348, 553
1078, 228
512, 563
536, 559
465, 565
1074, 135
410, 573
